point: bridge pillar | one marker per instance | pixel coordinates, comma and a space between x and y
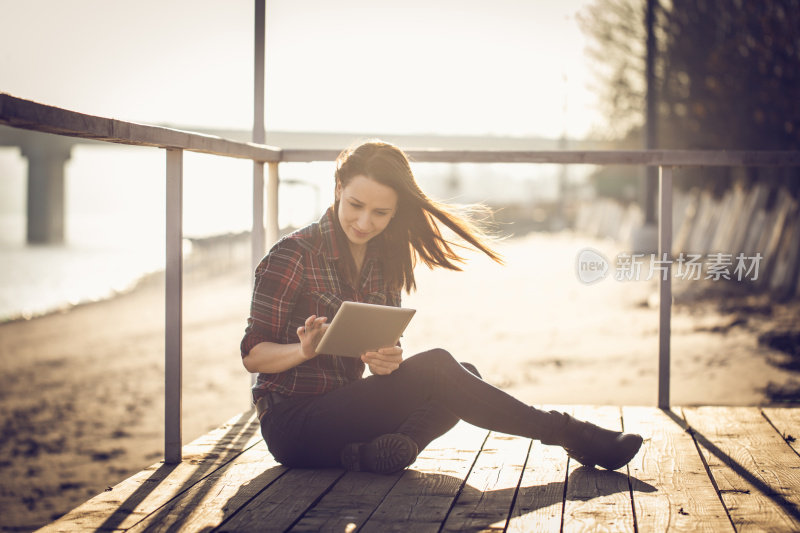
45, 211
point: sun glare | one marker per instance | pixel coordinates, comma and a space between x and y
510, 67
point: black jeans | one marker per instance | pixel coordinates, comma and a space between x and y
422, 399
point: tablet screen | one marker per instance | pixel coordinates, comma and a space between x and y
359, 327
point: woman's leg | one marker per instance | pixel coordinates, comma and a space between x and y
396, 403
433, 419
438, 377
313, 431
391, 452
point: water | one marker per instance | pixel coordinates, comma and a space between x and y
114, 226
115, 215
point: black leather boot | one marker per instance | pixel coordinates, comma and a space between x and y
592, 445
385, 454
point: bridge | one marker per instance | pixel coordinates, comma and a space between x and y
47, 154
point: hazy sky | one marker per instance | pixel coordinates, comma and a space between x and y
442, 66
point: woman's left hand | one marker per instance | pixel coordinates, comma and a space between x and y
384, 361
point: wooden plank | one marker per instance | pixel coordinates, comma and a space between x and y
689, 217
349, 503
611, 215
598, 500
731, 207
708, 227
353, 500
786, 254
632, 220
421, 499
671, 488
772, 220
754, 469
486, 500
761, 219
140, 495
772, 238
680, 203
540, 499
702, 217
283, 502
786, 420
219, 496
20, 113
754, 200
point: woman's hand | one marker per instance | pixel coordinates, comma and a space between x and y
384, 361
311, 334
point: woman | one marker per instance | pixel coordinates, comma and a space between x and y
318, 410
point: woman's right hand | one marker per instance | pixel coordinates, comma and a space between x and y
310, 334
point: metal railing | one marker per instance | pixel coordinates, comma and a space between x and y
25, 114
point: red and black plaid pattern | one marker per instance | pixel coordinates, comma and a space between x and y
300, 277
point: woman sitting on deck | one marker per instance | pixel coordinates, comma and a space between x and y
318, 410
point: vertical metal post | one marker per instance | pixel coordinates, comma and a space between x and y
259, 132
257, 236
272, 203
665, 284
651, 111
173, 315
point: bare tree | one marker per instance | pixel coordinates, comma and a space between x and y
727, 72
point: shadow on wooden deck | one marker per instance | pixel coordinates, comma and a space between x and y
700, 469
739, 469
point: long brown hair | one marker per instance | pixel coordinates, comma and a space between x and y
414, 232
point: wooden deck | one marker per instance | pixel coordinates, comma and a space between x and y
700, 469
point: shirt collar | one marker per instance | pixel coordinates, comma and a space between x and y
327, 227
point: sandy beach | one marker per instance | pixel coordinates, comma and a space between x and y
81, 392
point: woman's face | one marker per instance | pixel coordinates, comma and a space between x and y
365, 208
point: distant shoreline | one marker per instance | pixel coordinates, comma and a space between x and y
209, 255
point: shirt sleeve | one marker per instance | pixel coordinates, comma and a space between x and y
278, 282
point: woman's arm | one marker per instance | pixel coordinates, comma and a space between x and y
272, 358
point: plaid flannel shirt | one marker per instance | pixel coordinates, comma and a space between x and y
300, 277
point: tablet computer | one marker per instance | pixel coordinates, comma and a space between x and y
359, 327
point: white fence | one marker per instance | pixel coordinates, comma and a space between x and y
738, 222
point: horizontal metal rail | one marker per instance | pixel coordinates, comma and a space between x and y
26, 114
20, 113
30, 115
673, 158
